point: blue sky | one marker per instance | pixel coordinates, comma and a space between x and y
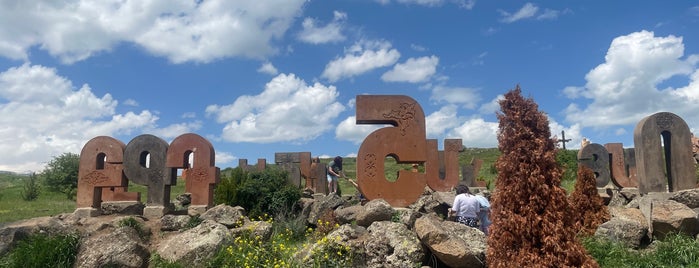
259, 77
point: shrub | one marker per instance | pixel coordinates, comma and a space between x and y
259, 192
31, 188
42, 250
250, 250
61, 174
586, 204
530, 212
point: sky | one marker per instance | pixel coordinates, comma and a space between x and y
257, 77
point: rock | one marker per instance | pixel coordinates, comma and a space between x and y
391, 244
673, 217
16, 231
444, 198
305, 205
407, 216
346, 236
262, 229
173, 222
617, 200
194, 246
374, 210
122, 207
226, 215
455, 244
630, 233
690, 197
183, 200
121, 248
322, 205
348, 214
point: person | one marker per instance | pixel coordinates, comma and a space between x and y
483, 213
334, 171
465, 207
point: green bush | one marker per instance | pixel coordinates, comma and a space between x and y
259, 192
61, 174
31, 188
42, 250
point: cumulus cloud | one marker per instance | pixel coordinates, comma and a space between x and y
181, 31
438, 122
476, 132
491, 107
288, 109
44, 115
224, 157
349, 130
466, 4
267, 68
414, 70
625, 88
330, 33
362, 57
466, 97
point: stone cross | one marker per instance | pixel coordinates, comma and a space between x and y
563, 139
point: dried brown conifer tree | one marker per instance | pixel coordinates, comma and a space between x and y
587, 206
532, 221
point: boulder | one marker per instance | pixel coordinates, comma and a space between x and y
391, 244
121, 248
196, 245
322, 205
348, 214
624, 230
673, 217
226, 215
346, 236
16, 231
690, 197
454, 244
262, 229
374, 210
173, 222
407, 216
122, 207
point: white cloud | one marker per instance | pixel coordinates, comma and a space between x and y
476, 132
465, 4
182, 31
527, 11
418, 48
492, 106
624, 88
131, 102
189, 115
467, 97
44, 115
224, 157
268, 68
362, 57
349, 130
414, 70
287, 110
572, 132
330, 33
437, 123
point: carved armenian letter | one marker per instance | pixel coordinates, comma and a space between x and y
596, 157
442, 168
203, 175
405, 141
100, 166
144, 164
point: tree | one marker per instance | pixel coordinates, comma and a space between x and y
61, 174
586, 204
532, 222
31, 188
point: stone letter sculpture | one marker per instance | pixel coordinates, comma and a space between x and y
442, 168
144, 164
622, 165
405, 141
100, 166
652, 160
596, 157
203, 175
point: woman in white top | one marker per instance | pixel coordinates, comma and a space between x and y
466, 207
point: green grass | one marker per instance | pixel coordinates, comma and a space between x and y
675, 251
14, 208
42, 250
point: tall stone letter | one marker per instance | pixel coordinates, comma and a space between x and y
442, 168
622, 165
596, 157
144, 164
405, 141
674, 155
203, 175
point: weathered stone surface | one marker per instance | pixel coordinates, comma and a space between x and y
391, 244
347, 214
323, 204
445, 198
622, 165
196, 245
690, 197
120, 248
617, 199
173, 222
157, 176
406, 216
454, 244
346, 236
226, 215
651, 158
442, 167
630, 233
406, 140
100, 166
12, 233
672, 217
122, 207
262, 229
374, 210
